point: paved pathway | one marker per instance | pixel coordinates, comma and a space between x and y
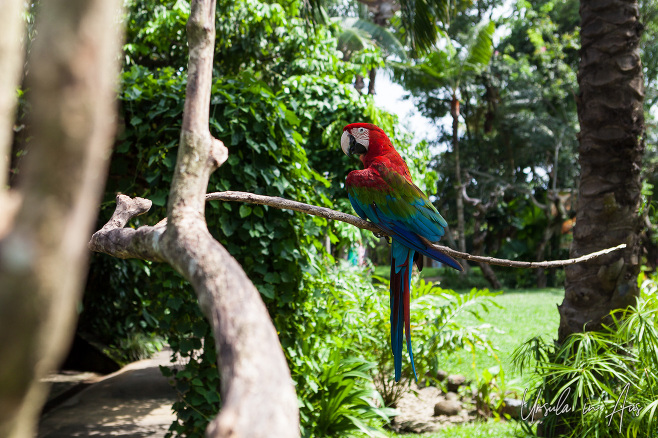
133, 402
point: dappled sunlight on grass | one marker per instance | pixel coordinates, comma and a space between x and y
525, 313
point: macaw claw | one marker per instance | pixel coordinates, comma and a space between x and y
385, 236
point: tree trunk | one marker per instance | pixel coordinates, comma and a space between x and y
611, 146
258, 396
372, 74
553, 228
359, 83
43, 254
478, 249
11, 62
461, 233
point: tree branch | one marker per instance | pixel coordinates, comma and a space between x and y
257, 392
365, 225
125, 243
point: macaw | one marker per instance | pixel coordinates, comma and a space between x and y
384, 193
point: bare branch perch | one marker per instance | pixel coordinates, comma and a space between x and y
257, 392
328, 213
125, 243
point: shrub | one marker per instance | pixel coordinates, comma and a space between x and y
592, 375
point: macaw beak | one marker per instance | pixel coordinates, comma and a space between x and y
350, 146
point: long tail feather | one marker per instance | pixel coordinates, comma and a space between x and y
401, 267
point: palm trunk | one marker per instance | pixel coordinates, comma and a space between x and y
461, 234
371, 83
610, 111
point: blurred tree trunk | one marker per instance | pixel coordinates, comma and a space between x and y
382, 11
610, 111
479, 238
553, 229
43, 254
11, 62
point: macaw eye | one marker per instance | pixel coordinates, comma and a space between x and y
362, 130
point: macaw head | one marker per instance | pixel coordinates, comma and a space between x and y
364, 139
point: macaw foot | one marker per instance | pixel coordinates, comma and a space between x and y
385, 236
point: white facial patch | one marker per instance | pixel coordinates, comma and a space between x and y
361, 135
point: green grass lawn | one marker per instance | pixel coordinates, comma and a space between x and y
486, 429
524, 313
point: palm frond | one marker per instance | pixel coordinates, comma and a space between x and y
351, 39
420, 18
480, 48
385, 39
356, 34
313, 12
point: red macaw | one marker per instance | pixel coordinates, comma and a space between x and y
384, 193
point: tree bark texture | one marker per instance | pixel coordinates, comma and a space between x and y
611, 147
43, 258
258, 397
12, 28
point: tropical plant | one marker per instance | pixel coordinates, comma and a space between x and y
357, 34
598, 383
490, 390
344, 404
277, 107
435, 331
334, 375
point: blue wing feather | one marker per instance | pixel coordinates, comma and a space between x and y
401, 262
423, 223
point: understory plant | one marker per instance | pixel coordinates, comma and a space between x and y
333, 374
597, 383
341, 359
435, 330
490, 390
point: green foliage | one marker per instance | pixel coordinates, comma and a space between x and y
435, 331
346, 313
197, 382
332, 371
518, 124
138, 346
359, 34
600, 375
117, 311
436, 311
490, 391
280, 98
343, 404
450, 279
